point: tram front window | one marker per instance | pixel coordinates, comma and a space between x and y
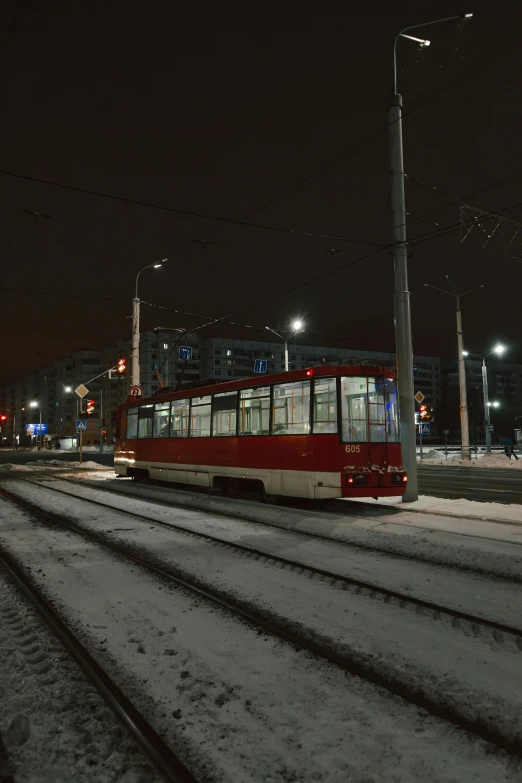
369, 410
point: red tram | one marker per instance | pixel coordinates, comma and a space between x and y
325, 432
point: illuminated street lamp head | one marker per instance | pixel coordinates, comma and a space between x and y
466, 16
499, 349
494, 404
68, 389
297, 325
33, 404
160, 263
465, 353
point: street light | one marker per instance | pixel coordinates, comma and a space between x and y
297, 326
498, 350
35, 404
67, 389
464, 425
403, 338
135, 369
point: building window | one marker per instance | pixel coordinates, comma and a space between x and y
229, 362
291, 409
217, 352
217, 361
154, 356
165, 346
229, 352
217, 372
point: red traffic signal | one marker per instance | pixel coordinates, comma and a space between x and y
89, 407
121, 367
3, 418
424, 413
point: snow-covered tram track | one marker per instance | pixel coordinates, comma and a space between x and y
492, 723
164, 758
499, 632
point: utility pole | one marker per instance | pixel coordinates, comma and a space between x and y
101, 419
135, 355
487, 417
403, 337
464, 424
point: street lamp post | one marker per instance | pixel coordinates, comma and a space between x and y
403, 337
135, 363
464, 424
498, 350
297, 327
35, 404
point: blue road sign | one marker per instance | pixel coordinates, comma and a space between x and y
415, 372
81, 425
184, 353
260, 365
424, 428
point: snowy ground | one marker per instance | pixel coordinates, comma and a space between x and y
54, 726
480, 460
241, 706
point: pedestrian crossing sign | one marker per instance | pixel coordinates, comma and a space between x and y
81, 425
424, 428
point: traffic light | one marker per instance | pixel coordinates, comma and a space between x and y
424, 413
3, 418
89, 407
121, 367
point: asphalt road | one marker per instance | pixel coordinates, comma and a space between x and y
21, 457
483, 484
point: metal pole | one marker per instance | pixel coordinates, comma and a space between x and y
464, 426
420, 440
81, 439
135, 368
446, 440
403, 341
487, 416
40, 412
286, 356
101, 420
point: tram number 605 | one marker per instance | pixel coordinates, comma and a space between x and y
353, 449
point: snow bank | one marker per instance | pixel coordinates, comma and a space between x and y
438, 457
8, 466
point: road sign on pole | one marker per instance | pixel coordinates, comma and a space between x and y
424, 428
81, 425
136, 392
415, 372
419, 397
184, 353
81, 390
260, 365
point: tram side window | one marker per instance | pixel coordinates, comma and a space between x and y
325, 405
254, 411
132, 423
179, 418
200, 417
353, 409
161, 419
291, 409
224, 414
145, 421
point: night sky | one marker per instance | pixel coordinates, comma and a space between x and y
259, 117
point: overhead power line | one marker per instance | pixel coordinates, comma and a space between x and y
184, 212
